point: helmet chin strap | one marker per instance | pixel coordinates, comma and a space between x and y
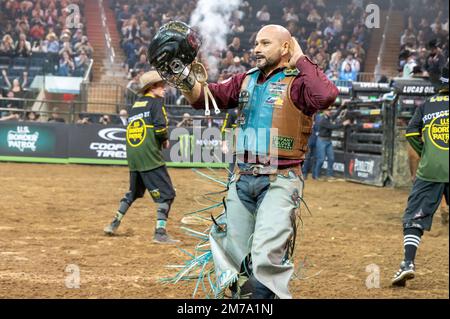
201, 75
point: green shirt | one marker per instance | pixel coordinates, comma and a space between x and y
146, 131
428, 132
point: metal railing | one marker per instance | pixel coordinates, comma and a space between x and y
381, 52
69, 110
74, 111
88, 75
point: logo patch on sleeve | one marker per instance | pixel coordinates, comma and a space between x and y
438, 132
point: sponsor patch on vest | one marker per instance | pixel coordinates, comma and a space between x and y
277, 88
136, 132
438, 132
274, 100
283, 143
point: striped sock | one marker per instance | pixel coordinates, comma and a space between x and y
411, 243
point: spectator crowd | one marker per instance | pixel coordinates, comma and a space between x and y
337, 44
36, 40
424, 42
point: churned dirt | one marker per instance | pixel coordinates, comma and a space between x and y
52, 219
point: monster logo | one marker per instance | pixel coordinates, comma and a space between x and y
187, 145
136, 133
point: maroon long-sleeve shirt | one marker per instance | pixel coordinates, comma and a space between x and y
311, 91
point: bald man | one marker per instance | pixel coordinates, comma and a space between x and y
276, 103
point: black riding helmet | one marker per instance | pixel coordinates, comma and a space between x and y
174, 47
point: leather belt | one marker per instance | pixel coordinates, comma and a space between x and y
256, 170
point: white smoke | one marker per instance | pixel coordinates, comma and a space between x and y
211, 18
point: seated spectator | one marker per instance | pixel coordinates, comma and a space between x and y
105, 120
23, 26
424, 26
146, 32
37, 31
7, 46
439, 34
237, 27
290, 15
314, 17
66, 65
359, 32
131, 48
31, 116
23, 47
84, 120
246, 60
347, 74
81, 64
142, 64
320, 60
235, 46
335, 61
66, 47
236, 67
314, 40
358, 52
408, 37
354, 64
15, 88
39, 46
12, 116
409, 65
227, 61
134, 84
263, 15
77, 37
131, 29
330, 31
52, 43
434, 62
123, 117
124, 15
85, 46
338, 21
55, 117
186, 121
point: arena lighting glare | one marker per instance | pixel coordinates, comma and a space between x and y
172, 51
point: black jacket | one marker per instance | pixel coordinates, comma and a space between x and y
327, 124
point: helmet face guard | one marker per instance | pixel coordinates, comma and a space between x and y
172, 51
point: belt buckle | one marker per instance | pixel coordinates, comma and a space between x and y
255, 169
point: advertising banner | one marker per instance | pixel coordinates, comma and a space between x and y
97, 144
367, 169
35, 140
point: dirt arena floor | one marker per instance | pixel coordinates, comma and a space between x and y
53, 216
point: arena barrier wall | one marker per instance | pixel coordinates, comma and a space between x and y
96, 144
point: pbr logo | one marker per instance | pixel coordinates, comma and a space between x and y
136, 133
362, 169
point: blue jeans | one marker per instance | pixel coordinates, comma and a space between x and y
324, 149
310, 159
